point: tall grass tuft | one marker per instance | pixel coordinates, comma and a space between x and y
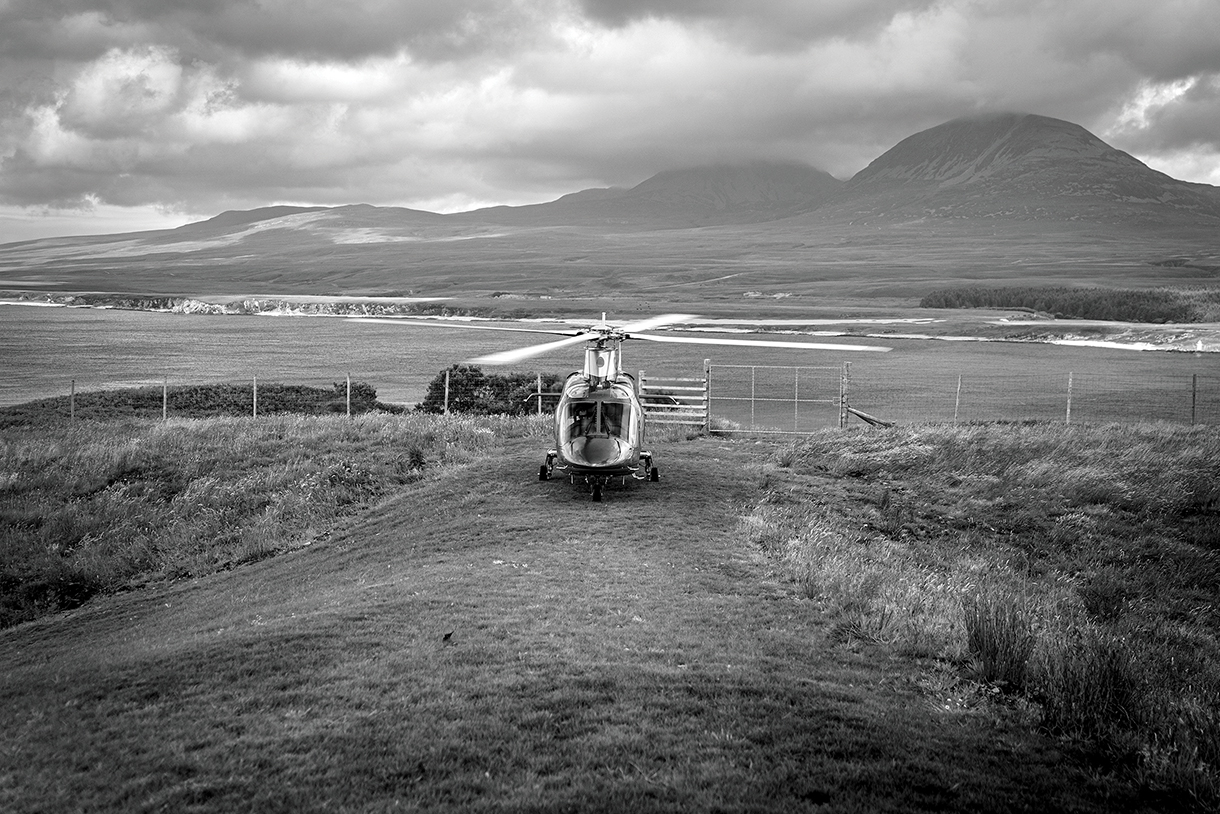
1000, 637
1089, 687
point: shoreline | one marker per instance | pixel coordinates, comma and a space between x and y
1142, 337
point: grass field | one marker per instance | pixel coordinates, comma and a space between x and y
93, 507
1074, 568
881, 621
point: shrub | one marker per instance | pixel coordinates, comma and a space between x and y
196, 401
474, 392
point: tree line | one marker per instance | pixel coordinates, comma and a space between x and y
1121, 305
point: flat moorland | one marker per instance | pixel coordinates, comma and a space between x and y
808, 627
804, 256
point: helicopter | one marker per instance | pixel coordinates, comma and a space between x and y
599, 421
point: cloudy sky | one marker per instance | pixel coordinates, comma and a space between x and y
131, 114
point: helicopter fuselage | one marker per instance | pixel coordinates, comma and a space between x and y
599, 426
599, 422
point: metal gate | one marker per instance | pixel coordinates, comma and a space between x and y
670, 400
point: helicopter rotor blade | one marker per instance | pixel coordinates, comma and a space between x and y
425, 323
656, 322
762, 343
508, 357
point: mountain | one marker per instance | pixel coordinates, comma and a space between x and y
1023, 166
695, 196
1007, 198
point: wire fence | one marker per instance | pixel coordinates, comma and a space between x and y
168, 399
1073, 397
798, 400
762, 398
778, 398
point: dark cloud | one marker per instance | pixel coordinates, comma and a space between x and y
308, 29
1162, 41
760, 23
210, 104
1190, 122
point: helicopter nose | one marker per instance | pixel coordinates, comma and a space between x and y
600, 450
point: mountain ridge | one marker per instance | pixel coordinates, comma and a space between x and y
714, 194
999, 197
990, 165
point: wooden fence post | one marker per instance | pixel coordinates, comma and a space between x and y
707, 395
72, 402
957, 401
1068, 421
446, 392
254, 399
796, 399
844, 405
165, 399
349, 394
753, 389
540, 394
1194, 396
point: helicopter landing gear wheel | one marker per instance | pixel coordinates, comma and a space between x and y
544, 473
597, 493
654, 475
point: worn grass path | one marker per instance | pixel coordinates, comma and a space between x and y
628, 655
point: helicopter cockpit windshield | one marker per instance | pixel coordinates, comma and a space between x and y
597, 418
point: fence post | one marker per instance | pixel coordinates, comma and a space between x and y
753, 377
957, 401
254, 399
349, 394
796, 399
707, 395
1194, 396
539, 380
72, 402
165, 398
1068, 421
844, 377
446, 409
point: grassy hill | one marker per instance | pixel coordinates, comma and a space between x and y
907, 620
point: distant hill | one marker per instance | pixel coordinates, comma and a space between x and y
1001, 199
1020, 166
239, 218
694, 196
